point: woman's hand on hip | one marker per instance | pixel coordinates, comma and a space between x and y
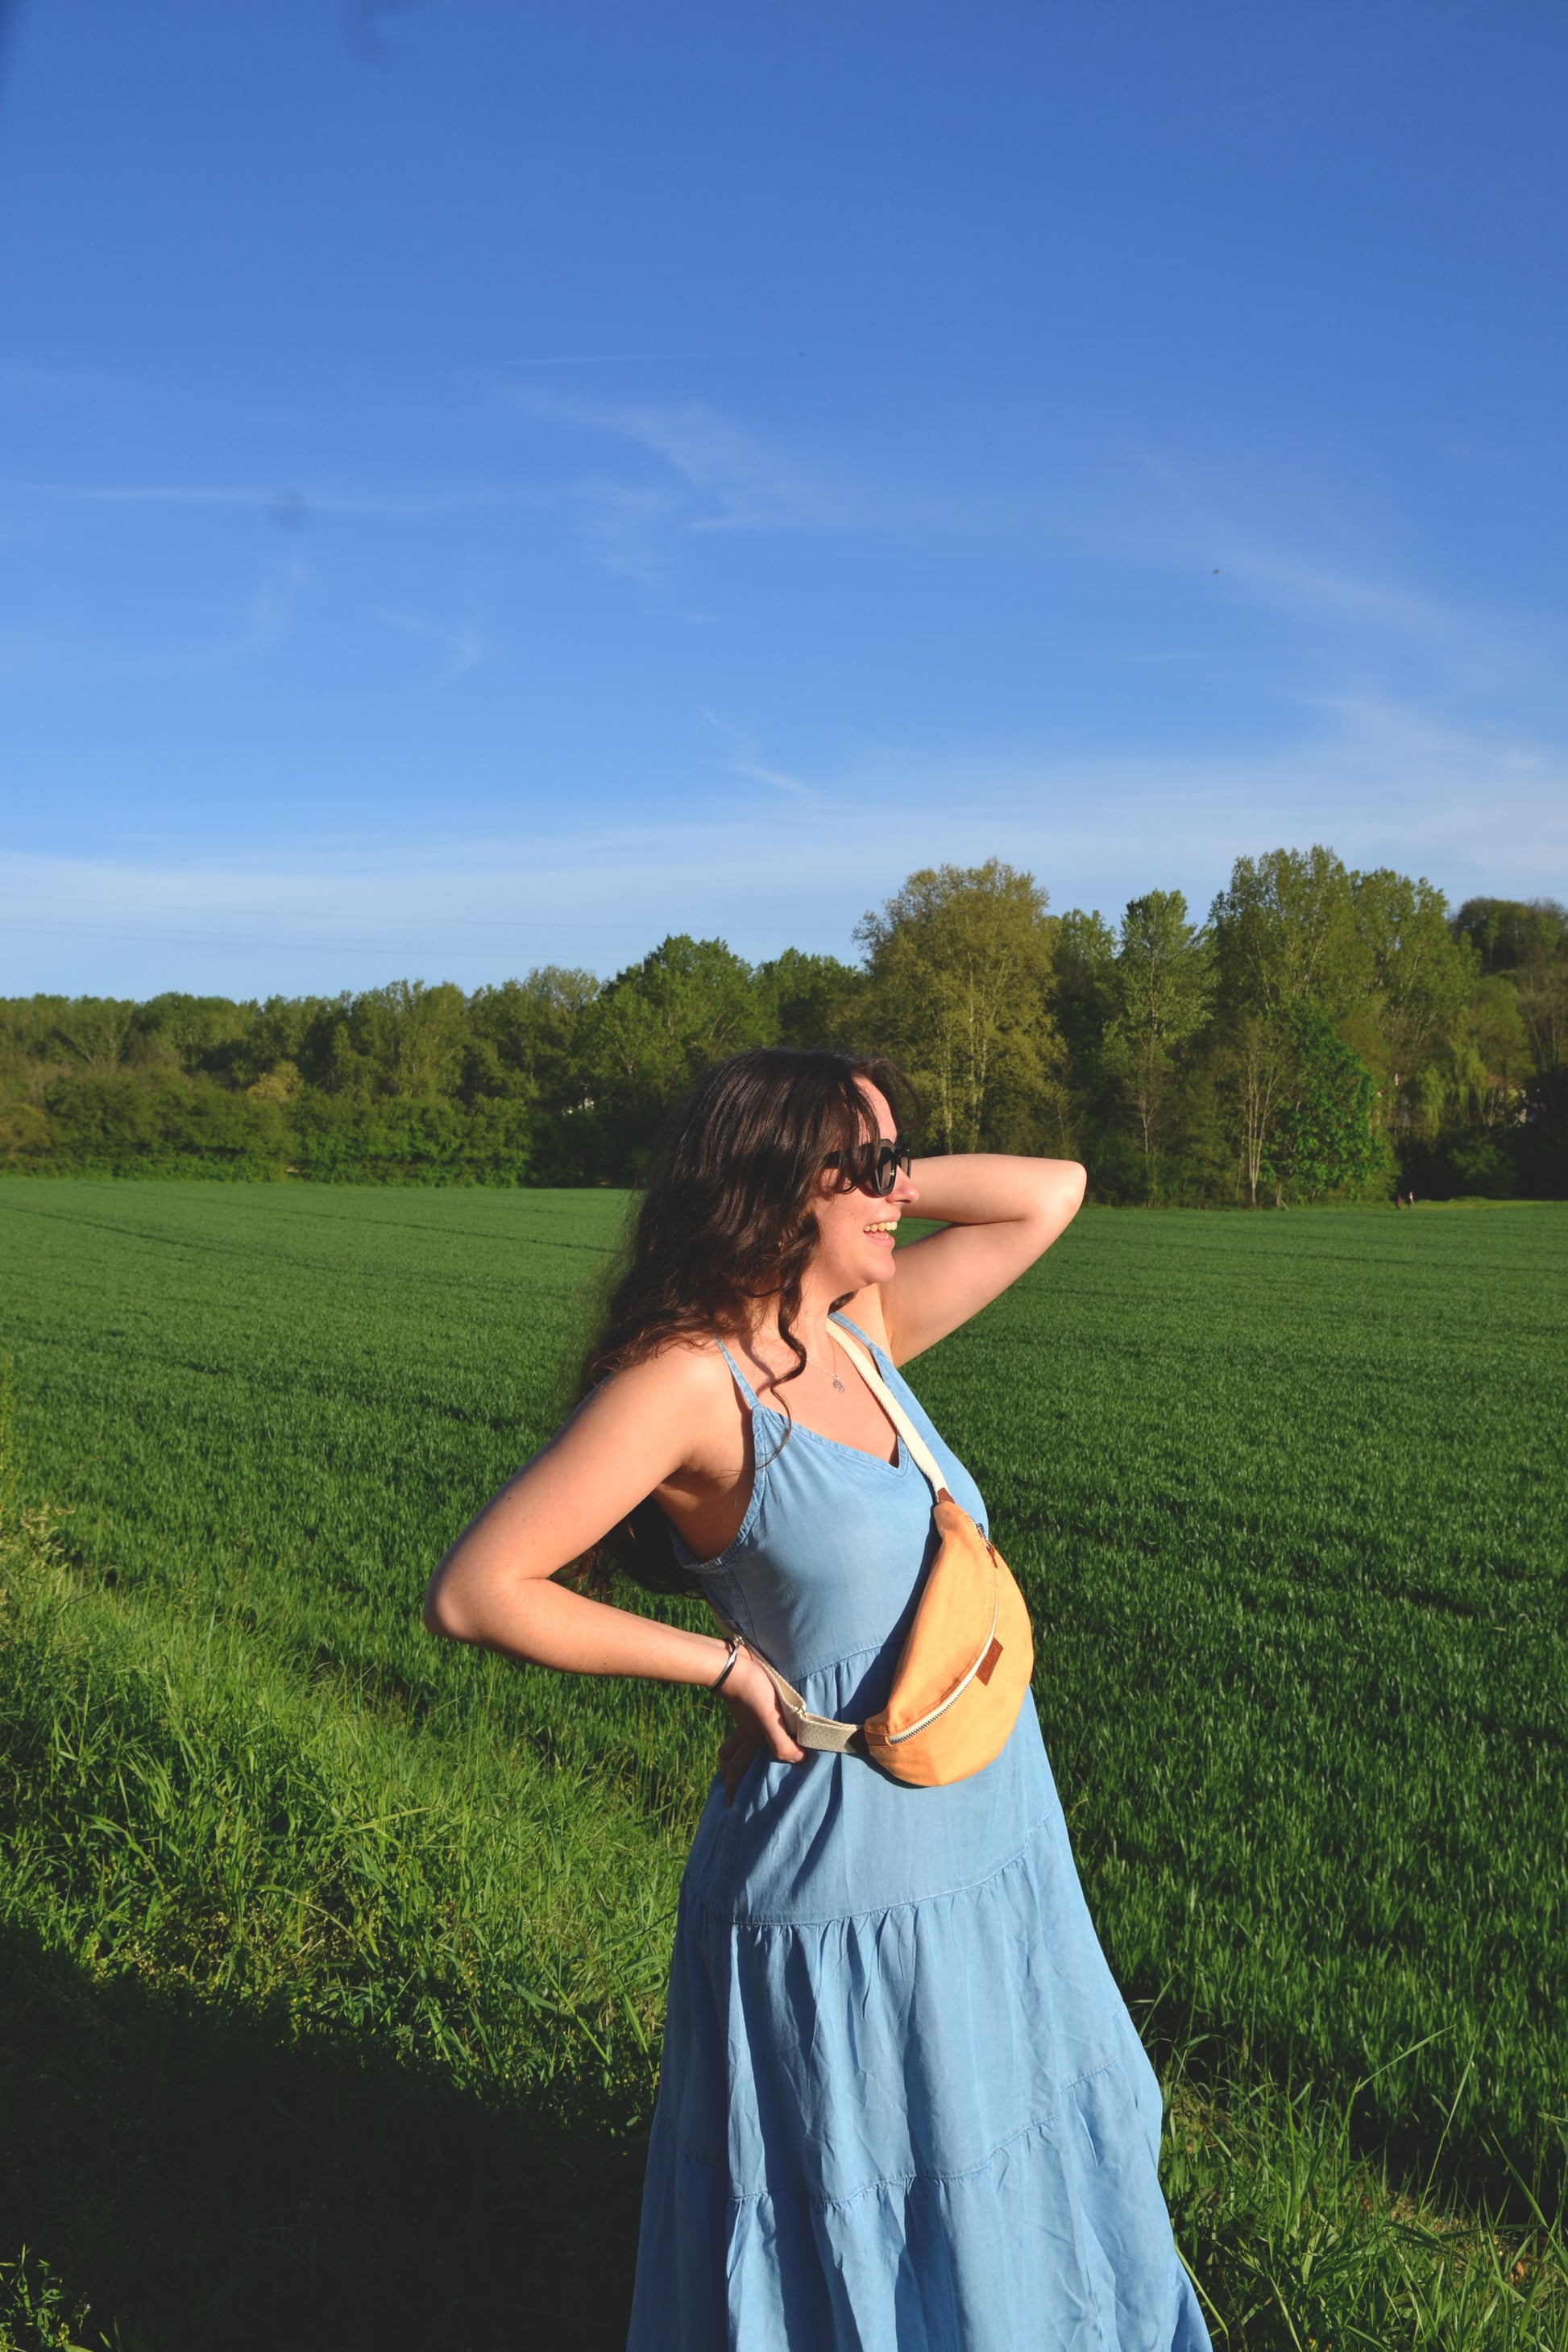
760, 1725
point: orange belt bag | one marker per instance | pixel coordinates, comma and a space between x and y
966, 1660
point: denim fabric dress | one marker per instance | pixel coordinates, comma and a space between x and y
903, 2105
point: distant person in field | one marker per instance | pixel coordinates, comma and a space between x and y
901, 2103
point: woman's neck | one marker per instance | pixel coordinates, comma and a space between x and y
809, 1327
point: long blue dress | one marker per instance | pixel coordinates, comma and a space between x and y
903, 2105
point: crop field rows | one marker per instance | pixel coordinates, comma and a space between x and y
334, 1956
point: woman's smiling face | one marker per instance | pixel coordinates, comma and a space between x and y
856, 1229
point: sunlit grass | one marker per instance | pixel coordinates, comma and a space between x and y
334, 1956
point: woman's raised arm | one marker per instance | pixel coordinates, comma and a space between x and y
999, 1213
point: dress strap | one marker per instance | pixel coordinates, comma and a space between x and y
844, 1324
739, 1377
924, 1459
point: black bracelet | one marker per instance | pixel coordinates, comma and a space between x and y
719, 1681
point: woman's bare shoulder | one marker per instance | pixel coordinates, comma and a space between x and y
685, 1393
674, 1406
682, 1375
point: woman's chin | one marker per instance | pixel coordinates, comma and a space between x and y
876, 1265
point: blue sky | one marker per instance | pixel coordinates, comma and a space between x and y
486, 483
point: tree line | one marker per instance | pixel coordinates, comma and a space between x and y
1322, 1034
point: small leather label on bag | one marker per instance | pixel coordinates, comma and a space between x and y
987, 1665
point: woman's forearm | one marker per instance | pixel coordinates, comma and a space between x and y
983, 1188
999, 1212
532, 1618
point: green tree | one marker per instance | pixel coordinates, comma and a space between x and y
1487, 1093
648, 1037
525, 1036
1088, 1097
159, 1123
1500, 930
1253, 1071
810, 1000
1542, 976
1285, 933
1543, 1007
293, 1031
960, 967
1523, 944
1323, 1139
1083, 954
1173, 1074
93, 1031
409, 1039
1419, 978
1162, 985
1285, 929
193, 1033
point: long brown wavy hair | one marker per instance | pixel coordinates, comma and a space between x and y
726, 1222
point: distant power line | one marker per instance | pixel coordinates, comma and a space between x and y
515, 923
343, 942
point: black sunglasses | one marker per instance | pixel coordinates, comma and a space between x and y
874, 1167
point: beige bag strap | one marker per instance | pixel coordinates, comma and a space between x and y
825, 1732
808, 1730
919, 1450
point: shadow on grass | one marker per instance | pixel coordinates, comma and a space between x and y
199, 2183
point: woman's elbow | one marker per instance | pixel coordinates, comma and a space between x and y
1062, 1187
449, 1612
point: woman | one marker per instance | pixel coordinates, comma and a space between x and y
902, 2108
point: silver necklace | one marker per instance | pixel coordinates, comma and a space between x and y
837, 1381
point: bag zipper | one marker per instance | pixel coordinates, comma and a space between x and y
896, 1739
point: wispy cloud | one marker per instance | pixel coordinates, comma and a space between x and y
167, 643
1300, 548
626, 524
464, 646
257, 627
741, 759
290, 505
1385, 784
639, 359
54, 384
1351, 599
729, 478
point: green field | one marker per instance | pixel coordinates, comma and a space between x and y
332, 1957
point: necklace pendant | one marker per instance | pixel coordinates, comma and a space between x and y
838, 1384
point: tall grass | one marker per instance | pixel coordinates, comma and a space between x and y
316, 2035
330, 1960
285, 1990
1299, 2239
